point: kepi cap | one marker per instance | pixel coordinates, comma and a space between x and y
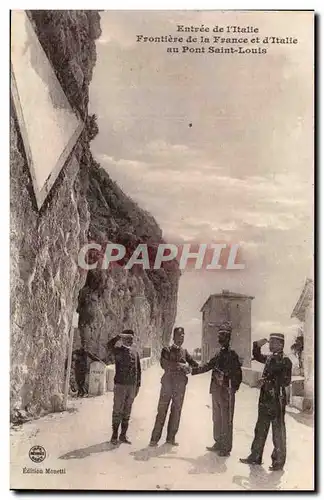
225, 327
178, 329
128, 332
279, 336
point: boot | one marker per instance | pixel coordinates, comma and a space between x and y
251, 461
114, 436
276, 467
123, 438
223, 453
215, 447
172, 441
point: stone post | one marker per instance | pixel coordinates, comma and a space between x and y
97, 379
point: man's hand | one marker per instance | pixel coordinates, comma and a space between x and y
260, 383
185, 368
262, 342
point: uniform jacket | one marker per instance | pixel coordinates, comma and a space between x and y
227, 362
275, 377
127, 362
170, 358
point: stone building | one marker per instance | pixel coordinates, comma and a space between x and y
304, 312
235, 307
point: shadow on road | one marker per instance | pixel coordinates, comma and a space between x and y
210, 463
259, 479
145, 454
86, 452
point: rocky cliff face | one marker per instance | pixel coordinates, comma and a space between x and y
45, 280
114, 299
47, 286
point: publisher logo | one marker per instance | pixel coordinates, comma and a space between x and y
37, 454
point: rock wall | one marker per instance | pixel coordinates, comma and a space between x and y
114, 299
47, 286
45, 280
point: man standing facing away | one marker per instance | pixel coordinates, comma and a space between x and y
276, 377
174, 361
225, 381
127, 383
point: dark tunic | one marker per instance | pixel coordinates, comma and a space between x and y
127, 362
272, 404
227, 362
224, 364
127, 382
275, 377
170, 357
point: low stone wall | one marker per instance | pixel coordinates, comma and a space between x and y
297, 402
296, 395
251, 377
146, 363
297, 386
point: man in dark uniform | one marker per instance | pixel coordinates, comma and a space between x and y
80, 357
127, 383
174, 361
225, 381
272, 402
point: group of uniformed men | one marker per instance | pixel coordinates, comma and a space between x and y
226, 378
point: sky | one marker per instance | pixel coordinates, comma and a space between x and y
217, 148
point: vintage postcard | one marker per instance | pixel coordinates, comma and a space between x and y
162, 224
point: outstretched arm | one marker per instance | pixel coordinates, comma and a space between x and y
191, 362
93, 357
204, 368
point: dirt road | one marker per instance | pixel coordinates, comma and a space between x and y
77, 445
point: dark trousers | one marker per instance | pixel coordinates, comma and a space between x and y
124, 396
80, 381
172, 391
223, 411
276, 417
